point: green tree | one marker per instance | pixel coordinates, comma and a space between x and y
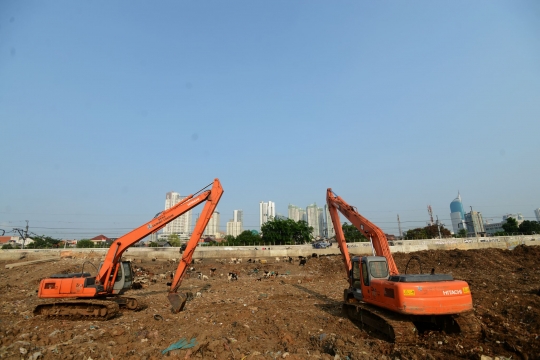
462, 233
7, 246
153, 244
286, 232
510, 226
352, 234
229, 240
85, 243
529, 227
432, 231
174, 240
247, 238
414, 234
43, 242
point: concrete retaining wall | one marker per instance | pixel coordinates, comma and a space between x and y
249, 252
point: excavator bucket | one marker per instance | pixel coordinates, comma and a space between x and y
178, 301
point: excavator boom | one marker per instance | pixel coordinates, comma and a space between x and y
178, 300
366, 227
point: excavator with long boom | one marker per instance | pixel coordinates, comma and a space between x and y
80, 295
398, 305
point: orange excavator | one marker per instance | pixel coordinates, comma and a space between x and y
398, 305
80, 295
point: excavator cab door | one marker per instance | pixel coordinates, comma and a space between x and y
124, 278
356, 279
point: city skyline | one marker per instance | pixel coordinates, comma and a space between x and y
389, 227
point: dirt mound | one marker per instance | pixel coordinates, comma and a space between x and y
294, 315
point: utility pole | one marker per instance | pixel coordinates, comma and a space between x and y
399, 227
439, 227
430, 212
23, 233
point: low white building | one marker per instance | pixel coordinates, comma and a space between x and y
498, 227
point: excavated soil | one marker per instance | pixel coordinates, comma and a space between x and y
296, 315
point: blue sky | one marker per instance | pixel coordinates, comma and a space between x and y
106, 106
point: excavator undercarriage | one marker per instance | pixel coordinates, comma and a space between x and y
404, 329
88, 309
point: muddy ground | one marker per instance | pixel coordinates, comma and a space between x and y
296, 315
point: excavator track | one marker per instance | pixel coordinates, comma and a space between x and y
402, 329
396, 327
78, 310
133, 304
468, 325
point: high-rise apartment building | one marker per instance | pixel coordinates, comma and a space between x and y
238, 216
235, 225
267, 212
314, 214
537, 214
457, 214
180, 225
295, 212
474, 223
212, 229
322, 222
330, 232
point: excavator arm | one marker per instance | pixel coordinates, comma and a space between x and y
110, 267
178, 300
366, 227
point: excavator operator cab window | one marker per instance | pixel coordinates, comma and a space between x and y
378, 269
356, 275
365, 274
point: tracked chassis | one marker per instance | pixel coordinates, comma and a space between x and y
82, 309
404, 329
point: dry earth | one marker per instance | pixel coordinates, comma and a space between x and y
296, 315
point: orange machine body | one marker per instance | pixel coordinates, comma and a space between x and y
376, 280
82, 285
422, 298
65, 288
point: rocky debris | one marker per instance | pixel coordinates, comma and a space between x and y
295, 314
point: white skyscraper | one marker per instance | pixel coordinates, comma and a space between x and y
235, 226
294, 212
537, 213
297, 213
267, 212
322, 225
182, 224
212, 229
313, 218
238, 216
330, 232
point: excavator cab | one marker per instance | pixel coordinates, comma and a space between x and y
124, 277
364, 270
